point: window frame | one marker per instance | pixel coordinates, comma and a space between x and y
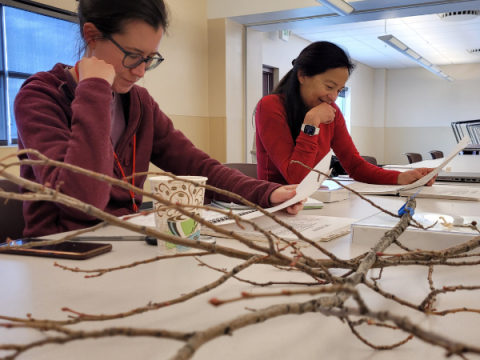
31, 6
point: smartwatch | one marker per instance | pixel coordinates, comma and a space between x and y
310, 129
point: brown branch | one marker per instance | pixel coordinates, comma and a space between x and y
72, 335
445, 290
376, 347
100, 272
270, 283
433, 298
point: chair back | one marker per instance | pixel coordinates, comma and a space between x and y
413, 157
12, 222
370, 159
246, 169
436, 154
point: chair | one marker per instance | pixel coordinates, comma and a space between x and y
413, 157
370, 159
12, 222
436, 154
246, 169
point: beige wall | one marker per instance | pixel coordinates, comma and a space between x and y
70, 5
226, 89
5, 152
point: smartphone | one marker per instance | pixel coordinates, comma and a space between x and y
66, 250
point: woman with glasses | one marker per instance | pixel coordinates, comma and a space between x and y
93, 115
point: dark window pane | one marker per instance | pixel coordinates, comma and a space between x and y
37, 42
13, 88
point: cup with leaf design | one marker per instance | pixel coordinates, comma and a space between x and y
171, 221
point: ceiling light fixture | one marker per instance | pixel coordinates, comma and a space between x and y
339, 6
405, 50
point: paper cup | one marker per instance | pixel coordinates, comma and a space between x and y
171, 221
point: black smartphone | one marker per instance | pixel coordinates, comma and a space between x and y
66, 250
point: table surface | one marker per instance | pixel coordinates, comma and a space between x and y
32, 285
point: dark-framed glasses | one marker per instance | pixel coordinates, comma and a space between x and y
132, 60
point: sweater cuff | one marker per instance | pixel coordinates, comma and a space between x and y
265, 201
392, 177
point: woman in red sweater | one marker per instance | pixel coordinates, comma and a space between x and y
300, 121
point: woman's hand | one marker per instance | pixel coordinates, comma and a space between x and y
283, 194
94, 68
322, 113
410, 176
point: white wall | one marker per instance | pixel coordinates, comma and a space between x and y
230, 8
361, 91
266, 49
420, 107
279, 54
418, 98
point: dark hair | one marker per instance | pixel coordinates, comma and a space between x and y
315, 59
111, 16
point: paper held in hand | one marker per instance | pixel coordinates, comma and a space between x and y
306, 188
366, 189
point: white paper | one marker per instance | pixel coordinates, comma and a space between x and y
386, 189
311, 226
442, 191
420, 182
364, 188
308, 185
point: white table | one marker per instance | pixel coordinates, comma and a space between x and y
33, 285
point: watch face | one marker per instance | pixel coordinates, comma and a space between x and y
309, 130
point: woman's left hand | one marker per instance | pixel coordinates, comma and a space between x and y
410, 176
283, 194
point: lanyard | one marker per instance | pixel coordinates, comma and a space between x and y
132, 194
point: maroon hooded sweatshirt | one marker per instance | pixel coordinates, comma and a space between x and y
74, 127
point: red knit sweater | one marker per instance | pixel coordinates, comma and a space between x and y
276, 148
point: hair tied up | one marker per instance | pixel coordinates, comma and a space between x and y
293, 62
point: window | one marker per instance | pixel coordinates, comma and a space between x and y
341, 103
34, 38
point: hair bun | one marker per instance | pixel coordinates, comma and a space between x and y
293, 62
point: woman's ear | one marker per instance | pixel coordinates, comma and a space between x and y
300, 77
91, 34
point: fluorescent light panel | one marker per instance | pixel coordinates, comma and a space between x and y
392, 41
339, 6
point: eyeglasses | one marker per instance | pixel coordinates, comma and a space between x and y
132, 60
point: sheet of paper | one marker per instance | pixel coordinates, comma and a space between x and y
448, 191
420, 182
308, 186
312, 227
363, 188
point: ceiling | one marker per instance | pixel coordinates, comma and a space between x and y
440, 42
414, 22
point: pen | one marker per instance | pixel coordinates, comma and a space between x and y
110, 238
